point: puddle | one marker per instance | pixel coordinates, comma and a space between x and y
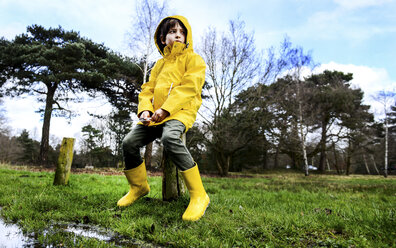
89, 231
11, 236
86, 231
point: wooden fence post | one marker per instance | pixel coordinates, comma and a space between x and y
172, 181
65, 160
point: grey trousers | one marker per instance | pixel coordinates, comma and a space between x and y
170, 133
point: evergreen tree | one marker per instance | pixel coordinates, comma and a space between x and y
92, 141
119, 124
30, 148
337, 104
55, 65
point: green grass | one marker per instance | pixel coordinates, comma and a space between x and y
270, 210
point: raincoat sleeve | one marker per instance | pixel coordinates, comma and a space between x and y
191, 85
147, 93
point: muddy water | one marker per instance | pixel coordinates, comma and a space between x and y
11, 236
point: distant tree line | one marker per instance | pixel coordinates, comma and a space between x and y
259, 111
260, 129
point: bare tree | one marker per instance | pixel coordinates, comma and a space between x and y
140, 40
232, 64
10, 149
386, 99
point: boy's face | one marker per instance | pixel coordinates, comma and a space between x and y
175, 33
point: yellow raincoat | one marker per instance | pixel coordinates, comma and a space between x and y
176, 81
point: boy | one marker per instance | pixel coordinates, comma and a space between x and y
168, 106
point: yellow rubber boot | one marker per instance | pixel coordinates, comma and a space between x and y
199, 200
137, 179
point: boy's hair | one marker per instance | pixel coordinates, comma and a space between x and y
164, 28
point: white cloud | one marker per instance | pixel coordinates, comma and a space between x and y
355, 4
336, 24
348, 21
102, 21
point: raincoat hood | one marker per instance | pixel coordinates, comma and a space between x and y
157, 38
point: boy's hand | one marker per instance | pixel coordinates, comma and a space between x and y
159, 115
145, 118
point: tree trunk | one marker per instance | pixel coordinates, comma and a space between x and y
348, 159
148, 154
265, 159
336, 160
172, 182
365, 163
149, 147
218, 164
375, 164
44, 145
322, 158
348, 164
344, 161
228, 163
222, 162
118, 157
386, 146
294, 161
65, 160
90, 157
302, 136
276, 159
225, 163
145, 65
328, 164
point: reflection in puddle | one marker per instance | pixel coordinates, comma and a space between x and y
86, 231
11, 235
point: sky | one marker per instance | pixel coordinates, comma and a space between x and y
353, 36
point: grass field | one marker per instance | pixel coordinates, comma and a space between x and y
271, 210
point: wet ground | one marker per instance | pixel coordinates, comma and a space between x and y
11, 236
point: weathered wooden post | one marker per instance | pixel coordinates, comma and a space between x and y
65, 160
172, 182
